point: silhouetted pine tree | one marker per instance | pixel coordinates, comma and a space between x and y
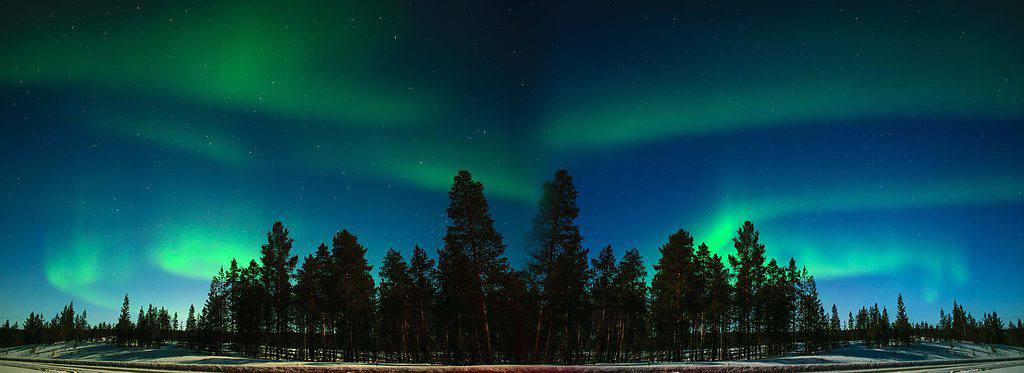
604, 300
34, 329
774, 299
8, 334
902, 325
748, 267
214, 322
512, 324
698, 298
991, 329
424, 292
233, 289
395, 306
163, 326
945, 325
313, 308
352, 294
277, 267
1015, 334
669, 288
812, 314
469, 263
875, 326
959, 325
559, 269
124, 330
1019, 335
65, 328
793, 295
631, 303
885, 328
191, 327
459, 317
720, 304
82, 325
834, 327
249, 312
863, 326
141, 329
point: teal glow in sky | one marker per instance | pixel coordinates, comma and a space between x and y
146, 145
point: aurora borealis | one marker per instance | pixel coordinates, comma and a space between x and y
146, 144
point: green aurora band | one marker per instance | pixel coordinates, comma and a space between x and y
767, 78
257, 59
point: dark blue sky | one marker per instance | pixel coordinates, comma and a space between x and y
146, 145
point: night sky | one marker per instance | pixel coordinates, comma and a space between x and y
144, 145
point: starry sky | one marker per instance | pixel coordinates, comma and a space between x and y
146, 144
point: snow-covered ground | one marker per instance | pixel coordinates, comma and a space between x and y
856, 356
95, 351
918, 352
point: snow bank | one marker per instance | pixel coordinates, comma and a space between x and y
919, 352
853, 357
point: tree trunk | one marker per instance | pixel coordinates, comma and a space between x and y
489, 359
536, 338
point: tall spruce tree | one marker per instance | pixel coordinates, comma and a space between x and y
252, 310
515, 302
669, 289
233, 289
424, 292
191, 327
991, 329
215, 317
605, 300
720, 303
835, 326
277, 268
34, 329
700, 293
812, 315
65, 330
773, 298
7, 337
468, 265
395, 306
631, 314
885, 328
793, 293
748, 266
353, 294
142, 329
124, 330
559, 269
311, 297
902, 325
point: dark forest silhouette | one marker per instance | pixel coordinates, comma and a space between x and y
470, 306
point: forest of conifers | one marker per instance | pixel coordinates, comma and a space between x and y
467, 305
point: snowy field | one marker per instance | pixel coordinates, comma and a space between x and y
856, 357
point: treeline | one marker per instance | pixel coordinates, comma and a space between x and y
152, 328
961, 325
66, 325
467, 305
